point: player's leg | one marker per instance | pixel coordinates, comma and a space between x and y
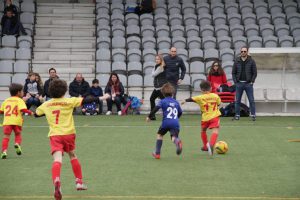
249, 92
7, 129
56, 168
176, 140
118, 104
76, 167
109, 103
18, 139
214, 125
238, 97
204, 136
159, 141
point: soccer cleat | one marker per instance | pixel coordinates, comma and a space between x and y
204, 149
108, 113
152, 118
119, 113
236, 118
81, 186
253, 118
57, 191
210, 149
18, 149
156, 156
3, 155
179, 148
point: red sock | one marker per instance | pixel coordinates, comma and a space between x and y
56, 171
18, 138
77, 170
204, 138
5, 142
213, 139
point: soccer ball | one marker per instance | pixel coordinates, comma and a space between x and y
221, 147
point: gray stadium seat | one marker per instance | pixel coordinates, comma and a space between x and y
196, 80
202, 7
103, 42
118, 66
293, 18
231, 7
266, 30
252, 30
239, 42
19, 78
162, 31
103, 67
148, 80
194, 42
182, 53
103, 19
163, 43
255, 41
27, 18
209, 42
9, 41
116, 8
211, 54
226, 54
148, 67
147, 31
234, 18
295, 29
188, 8
179, 42
102, 8
134, 66
286, 41
21, 66
164, 52
149, 43
174, 8
134, 55
5, 80
204, 19
175, 19
270, 41
177, 30
7, 53
131, 19
264, 18
278, 18
117, 19
103, 79
275, 8
197, 67
206, 30
28, 28
196, 55
224, 42
28, 7
221, 30
149, 55
249, 18
160, 8
103, 55
132, 30
219, 19
190, 19
118, 30
246, 7
118, 55
227, 66
290, 6
23, 54
135, 79
192, 30
217, 8
146, 19
118, 42
133, 42
236, 30
6, 66
161, 19
260, 7
104, 31
282, 30
297, 41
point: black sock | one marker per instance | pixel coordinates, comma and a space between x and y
158, 146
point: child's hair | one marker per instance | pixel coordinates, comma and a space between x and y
95, 81
14, 88
31, 74
58, 88
167, 90
205, 86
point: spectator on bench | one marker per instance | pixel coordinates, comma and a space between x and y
146, 6
53, 75
32, 91
216, 76
96, 91
79, 87
10, 24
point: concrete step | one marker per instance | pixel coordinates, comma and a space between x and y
57, 26
73, 38
54, 62
73, 21
92, 50
87, 10
70, 57
65, 32
53, 20
64, 56
63, 15
66, 69
72, 5
81, 45
48, 43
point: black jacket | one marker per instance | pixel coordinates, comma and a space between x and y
76, 89
46, 87
108, 89
250, 69
160, 79
173, 64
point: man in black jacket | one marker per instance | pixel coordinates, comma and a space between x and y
244, 73
52, 74
174, 64
79, 87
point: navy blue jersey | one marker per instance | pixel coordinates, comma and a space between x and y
171, 113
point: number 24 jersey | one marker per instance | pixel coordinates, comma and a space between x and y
11, 108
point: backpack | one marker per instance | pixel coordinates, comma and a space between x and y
133, 103
229, 110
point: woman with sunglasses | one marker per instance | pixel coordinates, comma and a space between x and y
216, 76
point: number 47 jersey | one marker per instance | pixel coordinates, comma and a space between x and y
59, 114
11, 108
171, 112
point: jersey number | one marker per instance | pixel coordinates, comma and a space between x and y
208, 105
172, 113
10, 111
56, 113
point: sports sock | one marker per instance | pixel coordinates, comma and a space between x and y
77, 170
5, 142
204, 138
56, 166
158, 146
176, 141
18, 138
213, 139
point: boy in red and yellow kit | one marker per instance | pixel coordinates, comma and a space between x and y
59, 114
12, 108
209, 106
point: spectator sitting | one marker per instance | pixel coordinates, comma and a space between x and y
79, 87
10, 6
38, 79
32, 91
146, 6
90, 108
116, 91
216, 76
52, 73
96, 91
11, 24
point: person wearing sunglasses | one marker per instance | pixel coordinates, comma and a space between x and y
216, 76
244, 73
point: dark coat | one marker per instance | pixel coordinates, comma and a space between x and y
76, 88
250, 69
46, 87
173, 64
108, 89
96, 92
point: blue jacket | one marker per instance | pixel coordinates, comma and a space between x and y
96, 91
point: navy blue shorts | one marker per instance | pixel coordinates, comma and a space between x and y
173, 131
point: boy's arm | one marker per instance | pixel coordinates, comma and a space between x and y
29, 112
152, 113
91, 99
187, 100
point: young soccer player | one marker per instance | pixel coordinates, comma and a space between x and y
58, 112
12, 108
208, 103
170, 122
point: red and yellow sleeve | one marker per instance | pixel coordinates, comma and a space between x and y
2, 108
77, 101
39, 111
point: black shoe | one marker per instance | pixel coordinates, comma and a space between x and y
153, 118
236, 118
253, 118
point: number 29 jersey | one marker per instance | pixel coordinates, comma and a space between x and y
171, 110
59, 114
11, 108
209, 105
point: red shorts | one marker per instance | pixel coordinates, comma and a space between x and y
213, 123
63, 143
7, 129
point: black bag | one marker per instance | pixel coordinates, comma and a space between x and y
229, 110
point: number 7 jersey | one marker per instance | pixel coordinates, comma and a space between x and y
59, 114
11, 108
209, 105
